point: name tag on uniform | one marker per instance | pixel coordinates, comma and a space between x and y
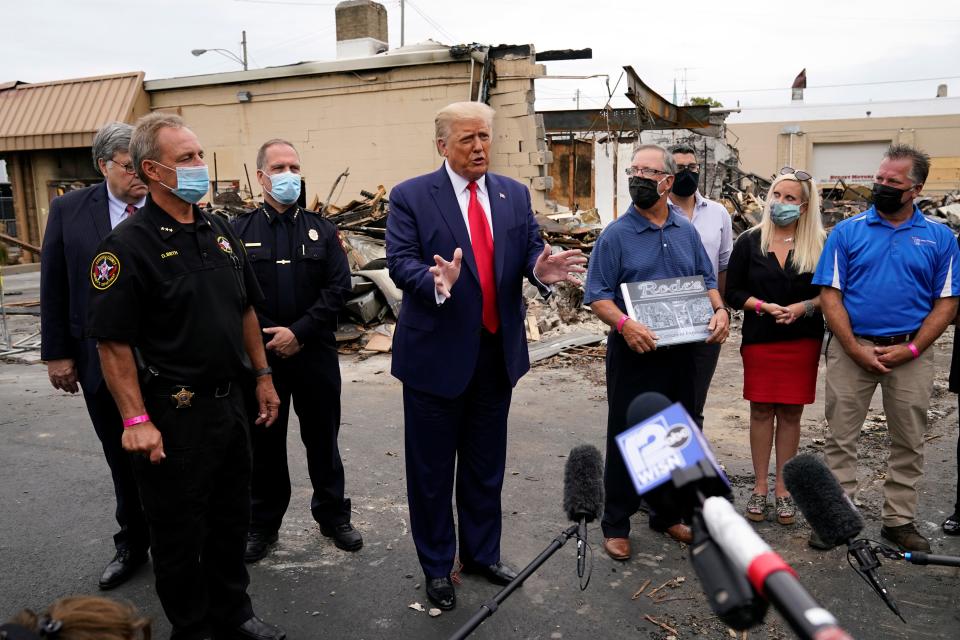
251, 244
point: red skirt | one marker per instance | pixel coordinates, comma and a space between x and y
781, 372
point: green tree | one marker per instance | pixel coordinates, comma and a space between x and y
710, 102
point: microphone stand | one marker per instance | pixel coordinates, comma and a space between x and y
487, 609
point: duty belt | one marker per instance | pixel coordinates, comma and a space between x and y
182, 395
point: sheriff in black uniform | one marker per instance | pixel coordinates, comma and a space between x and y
305, 278
172, 285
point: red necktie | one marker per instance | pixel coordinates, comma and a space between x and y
482, 243
130, 210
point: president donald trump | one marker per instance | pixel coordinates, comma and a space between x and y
460, 241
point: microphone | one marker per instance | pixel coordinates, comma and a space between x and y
768, 573
583, 494
666, 454
834, 518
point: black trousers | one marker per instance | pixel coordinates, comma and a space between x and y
956, 507
464, 437
669, 371
133, 533
197, 503
705, 357
310, 381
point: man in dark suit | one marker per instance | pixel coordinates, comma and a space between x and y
78, 221
460, 343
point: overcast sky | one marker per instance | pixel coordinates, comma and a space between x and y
743, 51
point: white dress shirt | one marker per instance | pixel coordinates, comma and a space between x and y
712, 221
461, 187
118, 208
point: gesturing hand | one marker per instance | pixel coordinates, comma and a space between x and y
445, 273
552, 268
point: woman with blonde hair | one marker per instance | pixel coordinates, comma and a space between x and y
79, 618
769, 277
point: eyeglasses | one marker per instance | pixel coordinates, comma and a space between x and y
694, 167
127, 168
799, 173
633, 172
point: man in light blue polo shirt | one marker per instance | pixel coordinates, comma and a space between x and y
716, 233
648, 242
890, 289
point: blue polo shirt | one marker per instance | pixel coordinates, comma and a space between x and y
633, 249
890, 276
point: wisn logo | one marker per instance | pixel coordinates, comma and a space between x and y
666, 441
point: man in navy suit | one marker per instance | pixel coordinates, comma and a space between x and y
460, 241
78, 221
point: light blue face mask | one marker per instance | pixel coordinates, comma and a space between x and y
286, 187
783, 214
192, 182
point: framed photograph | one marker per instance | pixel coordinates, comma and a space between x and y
676, 309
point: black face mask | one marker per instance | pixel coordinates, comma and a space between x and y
887, 199
686, 183
644, 192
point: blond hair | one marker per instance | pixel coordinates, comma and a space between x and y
89, 618
809, 237
461, 111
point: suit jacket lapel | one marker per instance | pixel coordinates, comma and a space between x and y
100, 211
500, 216
449, 207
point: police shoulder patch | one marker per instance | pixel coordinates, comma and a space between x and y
224, 244
104, 270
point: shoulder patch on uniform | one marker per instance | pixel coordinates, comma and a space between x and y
224, 244
104, 270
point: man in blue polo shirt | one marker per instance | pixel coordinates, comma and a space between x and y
889, 291
649, 242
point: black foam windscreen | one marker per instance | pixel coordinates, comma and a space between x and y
583, 484
645, 406
822, 501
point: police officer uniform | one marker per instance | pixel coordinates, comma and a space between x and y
177, 294
303, 273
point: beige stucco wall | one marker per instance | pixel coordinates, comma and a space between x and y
378, 123
764, 148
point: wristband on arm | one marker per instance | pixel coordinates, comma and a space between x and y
757, 308
621, 322
135, 420
914, 350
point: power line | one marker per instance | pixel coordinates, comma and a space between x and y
830, 86
432, 22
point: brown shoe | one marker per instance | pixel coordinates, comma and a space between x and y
680, 532
617, 548
906, 537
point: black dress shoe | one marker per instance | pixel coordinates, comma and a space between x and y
498, 573
121, 568
254, 629
344, 536
440, 592
951, 526
258, 543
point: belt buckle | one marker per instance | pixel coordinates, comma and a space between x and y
182, 399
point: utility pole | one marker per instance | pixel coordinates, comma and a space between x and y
243, 44
402, 8
578, 99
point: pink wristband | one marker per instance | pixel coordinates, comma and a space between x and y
623, 321
135, 420
757, 307
914, 350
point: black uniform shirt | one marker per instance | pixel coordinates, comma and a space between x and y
301, 267
750, 273
176, 291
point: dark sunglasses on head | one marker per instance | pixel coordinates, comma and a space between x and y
801, 175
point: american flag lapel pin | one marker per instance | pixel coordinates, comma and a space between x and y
503, 196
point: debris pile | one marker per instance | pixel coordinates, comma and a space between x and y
571, 230
946, 208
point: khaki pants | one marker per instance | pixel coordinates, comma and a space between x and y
906, 397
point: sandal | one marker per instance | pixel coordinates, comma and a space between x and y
786, 510
757, 507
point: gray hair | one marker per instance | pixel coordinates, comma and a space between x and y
920, 161
111, 139
461, 111
143, 140
262, 152
669, 164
